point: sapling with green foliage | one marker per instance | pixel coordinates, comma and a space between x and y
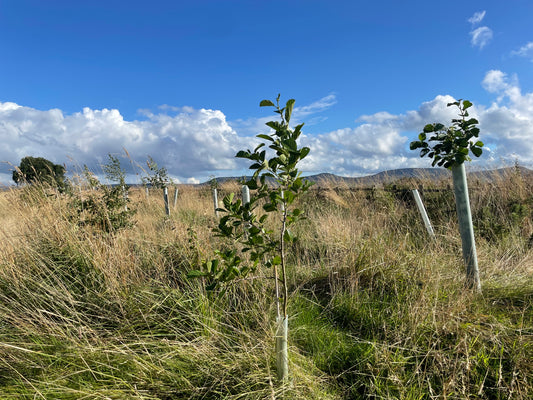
250, 242
104, 206
158, 178
450, 147
90, 178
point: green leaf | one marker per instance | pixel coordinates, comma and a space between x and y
269, 207
243, 154
254, 230
196, 274
289, 197
291, 144
228, 199
273, 124
288, 109
276, 260
304, 152
415, 145
477, 151
479, 143
266, 137
252, 184
429, 128
288, 237
466, 104
266, 103
422, 136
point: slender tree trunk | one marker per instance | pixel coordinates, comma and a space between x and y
466, 227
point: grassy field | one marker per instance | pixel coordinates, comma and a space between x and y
377, 309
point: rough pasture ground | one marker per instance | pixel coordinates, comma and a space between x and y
379, 310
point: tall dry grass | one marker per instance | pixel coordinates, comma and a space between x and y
378, 309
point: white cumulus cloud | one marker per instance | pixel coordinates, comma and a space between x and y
481, 36
508, 121
195, 143
190, 143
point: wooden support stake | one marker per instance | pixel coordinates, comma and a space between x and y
423, 212
175, 197
165, 197
215, 201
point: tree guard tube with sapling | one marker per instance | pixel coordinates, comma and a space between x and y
449, 147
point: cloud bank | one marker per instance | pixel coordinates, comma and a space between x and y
189, 143
196, 143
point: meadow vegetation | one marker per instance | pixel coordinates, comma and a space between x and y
377, 309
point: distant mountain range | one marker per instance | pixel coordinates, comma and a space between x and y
391, 176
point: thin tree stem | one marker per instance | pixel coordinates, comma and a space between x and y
276, 279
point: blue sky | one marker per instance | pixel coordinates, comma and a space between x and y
181, 81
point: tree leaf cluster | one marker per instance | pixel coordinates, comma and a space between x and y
450, 146
157, 176
244, 226
113, 170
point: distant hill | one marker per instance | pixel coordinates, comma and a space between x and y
391, 176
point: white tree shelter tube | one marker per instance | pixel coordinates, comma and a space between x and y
282, 353
466, 227
215, 201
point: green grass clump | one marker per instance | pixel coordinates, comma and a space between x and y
378, 309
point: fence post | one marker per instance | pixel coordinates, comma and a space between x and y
246, 200
125, 197
215, 201
423, 212
165, 197
175, 197
466, 227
